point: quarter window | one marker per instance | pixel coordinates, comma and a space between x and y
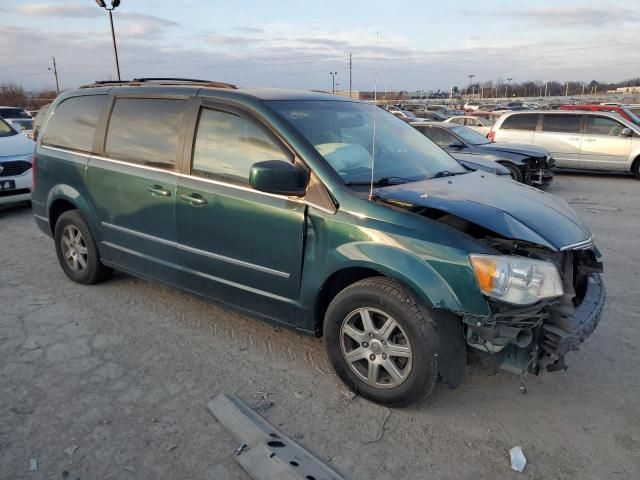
227, 145
603, 126
562, 123
73, 123
145, 131
525, 121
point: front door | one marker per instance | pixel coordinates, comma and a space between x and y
561, 135
236, 244
132, 185
603, 146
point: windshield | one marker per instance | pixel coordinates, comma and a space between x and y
13, 113
6, 130
633, 115
470, 136
342, 133
484, 121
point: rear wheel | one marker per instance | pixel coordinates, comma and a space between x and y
377, 339
514, 171
77, 251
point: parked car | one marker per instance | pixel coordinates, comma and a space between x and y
472, 106
635, 109
19, 118
477, 124
576, 139
527, 163
37, 121
623, 111
446, 110
16, 152
404, 115
264, 201
421, 111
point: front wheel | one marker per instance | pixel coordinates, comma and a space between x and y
77, 251
377, 339
514, 171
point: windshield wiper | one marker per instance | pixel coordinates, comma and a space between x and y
380, 182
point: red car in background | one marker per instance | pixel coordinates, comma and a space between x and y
620, 110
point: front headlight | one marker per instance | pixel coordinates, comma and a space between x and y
518, 280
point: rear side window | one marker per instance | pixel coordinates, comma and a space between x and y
561, 123
526, 121
73, 123
145, 131
227, 145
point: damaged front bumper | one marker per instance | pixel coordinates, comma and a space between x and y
528, 339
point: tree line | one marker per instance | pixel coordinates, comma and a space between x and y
539, 88
13, 95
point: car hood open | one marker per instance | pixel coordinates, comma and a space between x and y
528, 150
510, 209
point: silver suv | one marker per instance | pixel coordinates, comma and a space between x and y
578, 139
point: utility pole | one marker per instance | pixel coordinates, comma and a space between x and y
471, 75
567, 91
546, 84
350, 74
506, 90
55, 73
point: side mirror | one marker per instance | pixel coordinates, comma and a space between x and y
626, 132
456, 144
279, 177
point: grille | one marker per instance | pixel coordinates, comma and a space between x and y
11, 169
10, 193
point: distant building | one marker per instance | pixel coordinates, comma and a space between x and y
625, 90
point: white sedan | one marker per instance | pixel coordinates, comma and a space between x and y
16, 152
479, 124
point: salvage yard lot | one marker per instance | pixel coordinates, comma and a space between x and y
111, 381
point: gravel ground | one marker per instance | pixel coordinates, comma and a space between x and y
111, 381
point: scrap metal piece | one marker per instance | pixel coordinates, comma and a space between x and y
269, 454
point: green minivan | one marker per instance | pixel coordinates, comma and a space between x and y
320, 213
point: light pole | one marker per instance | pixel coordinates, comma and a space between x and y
471, 75
333, 82
506, 91
114, 5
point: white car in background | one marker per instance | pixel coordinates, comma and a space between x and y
479, 124
16, 152
576, 138
19, 118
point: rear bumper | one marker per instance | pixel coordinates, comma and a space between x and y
557, 341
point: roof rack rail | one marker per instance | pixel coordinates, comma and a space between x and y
161, 81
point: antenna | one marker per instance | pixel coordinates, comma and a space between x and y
375, 108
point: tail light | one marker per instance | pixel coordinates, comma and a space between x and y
492, 135
33, 172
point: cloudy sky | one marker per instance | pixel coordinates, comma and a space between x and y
422, 44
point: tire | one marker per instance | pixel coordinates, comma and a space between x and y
382, 299
77, 251
635, 169
514, 171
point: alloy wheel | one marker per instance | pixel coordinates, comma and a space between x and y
376, 348
74, 249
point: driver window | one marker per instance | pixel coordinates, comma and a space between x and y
603, 126
227, 145
440, 136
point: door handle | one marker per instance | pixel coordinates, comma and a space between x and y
589, 139
158, 191
194, 199
574, 138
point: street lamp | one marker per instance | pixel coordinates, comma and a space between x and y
507, 89
114, 4
333, 82
471, 75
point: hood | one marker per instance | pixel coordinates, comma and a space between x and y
510, 209
483, 162
528, 150
16, 146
